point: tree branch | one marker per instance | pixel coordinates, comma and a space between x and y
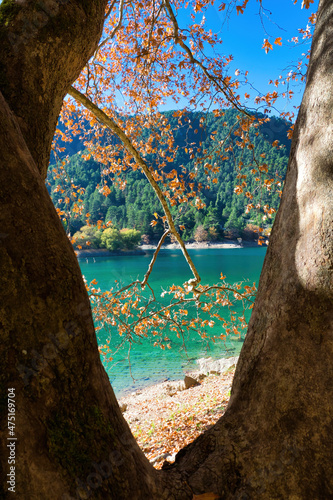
112, 125
223, 88
153, 260
116, 28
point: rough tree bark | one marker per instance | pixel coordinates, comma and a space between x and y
72, 441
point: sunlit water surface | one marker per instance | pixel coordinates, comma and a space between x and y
150, 364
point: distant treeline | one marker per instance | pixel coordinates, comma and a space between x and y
224, 210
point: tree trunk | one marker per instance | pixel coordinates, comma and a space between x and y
275, 440
44, 46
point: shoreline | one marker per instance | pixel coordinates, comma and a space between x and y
205, 368
141, 250
103, 252
222, 244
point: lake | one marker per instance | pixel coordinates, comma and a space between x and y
152, 364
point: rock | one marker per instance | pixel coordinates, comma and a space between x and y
123, 407
173, 387
190, 382
171, 458
160, 457
197, 375
218, 366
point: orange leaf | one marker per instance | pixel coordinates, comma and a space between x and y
306, 3
278, 41
267, 46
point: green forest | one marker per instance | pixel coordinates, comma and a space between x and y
223, 212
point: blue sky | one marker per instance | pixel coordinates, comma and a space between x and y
243, 37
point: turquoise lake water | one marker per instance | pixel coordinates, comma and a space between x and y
152, 364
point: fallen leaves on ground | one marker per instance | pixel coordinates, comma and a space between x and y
163, 423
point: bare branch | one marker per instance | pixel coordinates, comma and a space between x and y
178, 39
116, 28
153, 260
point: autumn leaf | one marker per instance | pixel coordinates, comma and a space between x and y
278, 41
266, 45
306, 3
238, 190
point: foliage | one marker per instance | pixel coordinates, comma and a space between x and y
111, 238
200, 234
130, 237
134, 205
184, 310
126, 239
88, 237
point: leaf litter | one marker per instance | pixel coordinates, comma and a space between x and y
164, 419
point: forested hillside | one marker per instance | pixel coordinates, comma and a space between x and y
196, 136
